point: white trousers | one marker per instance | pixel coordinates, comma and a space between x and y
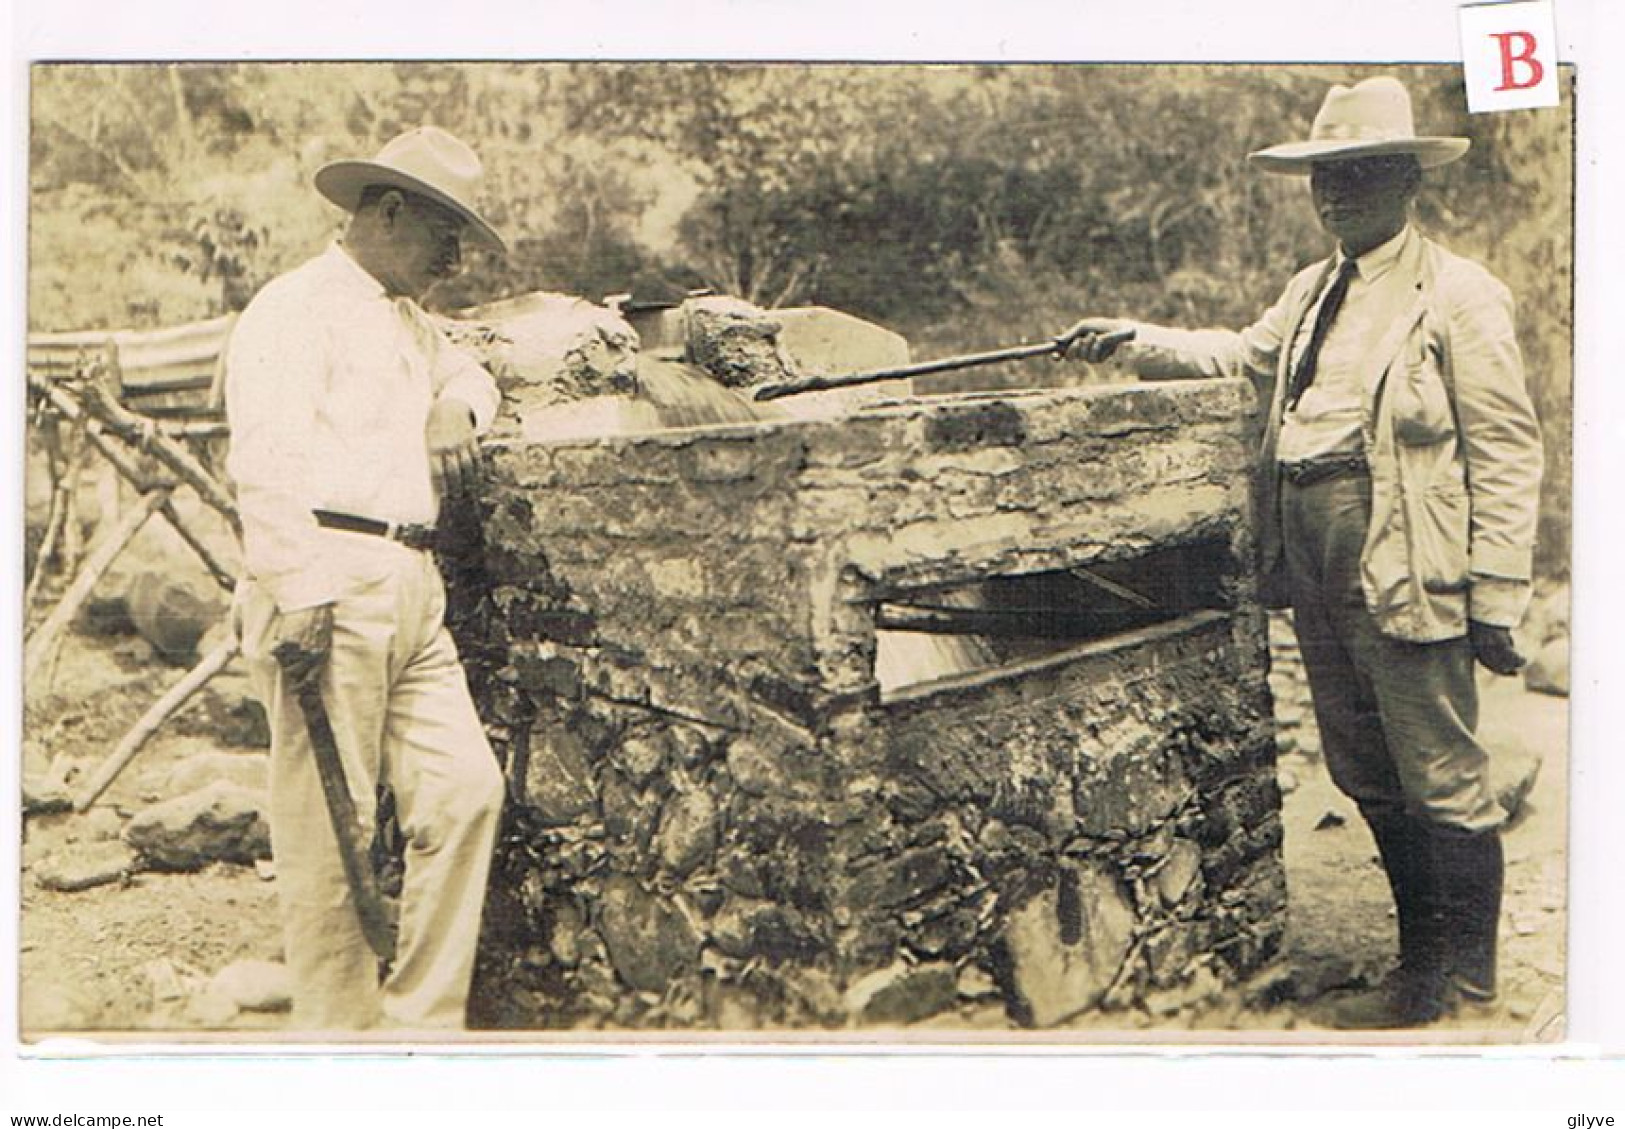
399, 704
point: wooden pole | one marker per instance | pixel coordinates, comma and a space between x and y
223, 576
144, 435
42, 643
159, 712
47, 546
137, 477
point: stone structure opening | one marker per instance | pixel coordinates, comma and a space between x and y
933, 639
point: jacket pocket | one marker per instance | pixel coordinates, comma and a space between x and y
1439, 537
1422, 412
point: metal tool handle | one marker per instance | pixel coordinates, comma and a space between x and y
377, 922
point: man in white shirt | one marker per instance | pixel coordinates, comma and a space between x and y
1398, 495
352, 421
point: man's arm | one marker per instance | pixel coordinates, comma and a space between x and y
1158, 352
466, 402
1501, 446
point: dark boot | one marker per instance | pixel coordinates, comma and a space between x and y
1471, 870
1413, 993
1404, 851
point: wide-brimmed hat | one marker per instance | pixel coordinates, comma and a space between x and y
426, 160
1369, 119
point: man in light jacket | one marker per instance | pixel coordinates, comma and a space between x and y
1398, 493
352, 421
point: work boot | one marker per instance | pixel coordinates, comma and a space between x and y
1471, 870
1407, 997
1414, 993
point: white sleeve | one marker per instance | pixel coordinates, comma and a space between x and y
458, 376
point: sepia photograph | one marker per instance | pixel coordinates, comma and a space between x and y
953, 553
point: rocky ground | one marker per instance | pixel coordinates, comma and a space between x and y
109, 941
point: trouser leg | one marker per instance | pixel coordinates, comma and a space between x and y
333, 972
400, 708
449, 796
1397, 723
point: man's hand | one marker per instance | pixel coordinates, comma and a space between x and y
454, 449
1095, 339
1493, 647
301, 641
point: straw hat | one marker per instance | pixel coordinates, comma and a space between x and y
426, 160
1369, 119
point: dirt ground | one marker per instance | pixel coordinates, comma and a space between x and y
131, 956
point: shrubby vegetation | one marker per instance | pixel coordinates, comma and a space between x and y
966, 206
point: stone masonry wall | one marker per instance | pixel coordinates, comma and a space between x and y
718, 822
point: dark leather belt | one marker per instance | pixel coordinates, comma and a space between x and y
410, 534
1324, 469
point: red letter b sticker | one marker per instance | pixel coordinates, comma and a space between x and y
1518, 47
1509, 55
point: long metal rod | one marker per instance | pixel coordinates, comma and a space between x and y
923, 368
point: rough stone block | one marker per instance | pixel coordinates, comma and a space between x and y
688, 831
903, 879
1067, 944
901, 994
1180, 870
650, 942
559, 782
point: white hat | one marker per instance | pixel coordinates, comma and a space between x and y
1369, 119
426, 160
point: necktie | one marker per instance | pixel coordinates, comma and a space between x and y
1304, 374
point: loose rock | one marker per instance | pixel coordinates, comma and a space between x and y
45, 794
734, 341
223, 822
172, 611
1179, 871
254, 985
1548, 671
86, 865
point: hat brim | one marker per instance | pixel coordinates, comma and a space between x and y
1296, 158
343, 182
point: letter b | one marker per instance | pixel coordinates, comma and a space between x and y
1511, 56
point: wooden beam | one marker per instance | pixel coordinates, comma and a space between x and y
158, 713
42, 643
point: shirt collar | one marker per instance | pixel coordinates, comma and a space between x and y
1380, 259
351, 274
